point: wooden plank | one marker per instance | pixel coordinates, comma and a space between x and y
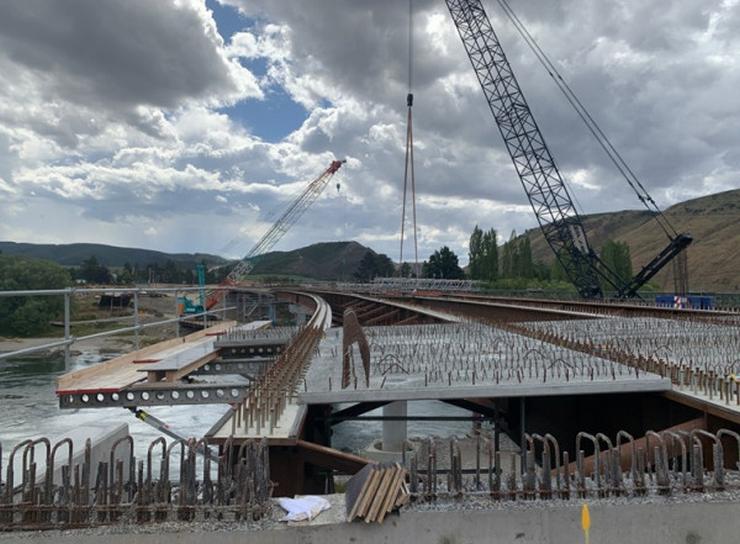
121, 371
388, 474
355, 488
392, 493
369, 493
404, 495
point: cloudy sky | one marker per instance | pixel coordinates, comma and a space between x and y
186, 125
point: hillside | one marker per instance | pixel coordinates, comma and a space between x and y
713, 221
323, 261
111, 256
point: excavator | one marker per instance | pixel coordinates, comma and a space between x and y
538, 173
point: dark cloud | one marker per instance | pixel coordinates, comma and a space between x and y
130, 53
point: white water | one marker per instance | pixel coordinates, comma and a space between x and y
29, 409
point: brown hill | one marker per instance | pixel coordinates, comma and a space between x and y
713, 221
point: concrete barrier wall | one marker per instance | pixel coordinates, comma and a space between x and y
102, 435
681, 523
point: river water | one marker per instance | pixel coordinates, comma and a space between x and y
29, 409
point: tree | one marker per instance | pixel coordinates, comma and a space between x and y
93, 272
374, 265
27, 316
384, 267
557, 272
505, 265
489, 258
616, 257
405, 270
475, 254
483, 254
526, 265
443, 264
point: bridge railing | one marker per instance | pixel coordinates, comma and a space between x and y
136, 293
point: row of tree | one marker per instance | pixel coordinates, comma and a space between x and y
92, 271
28, 316
374, 265
512, 265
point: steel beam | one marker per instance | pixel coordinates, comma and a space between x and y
238, 366
154, 395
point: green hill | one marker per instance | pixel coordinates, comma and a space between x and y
111, 256
323, 261
713, 221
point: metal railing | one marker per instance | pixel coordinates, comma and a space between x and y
68, 340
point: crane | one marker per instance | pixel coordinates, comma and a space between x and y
546, 190
288, 218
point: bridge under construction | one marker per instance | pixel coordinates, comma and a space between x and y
617, 403
565, 399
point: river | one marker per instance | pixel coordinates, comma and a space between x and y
29, 409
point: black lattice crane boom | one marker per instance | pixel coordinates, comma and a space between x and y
546, 190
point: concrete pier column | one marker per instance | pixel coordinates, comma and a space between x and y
394, 432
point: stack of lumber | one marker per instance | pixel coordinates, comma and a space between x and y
375, 491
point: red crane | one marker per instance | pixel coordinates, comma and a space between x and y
289, 217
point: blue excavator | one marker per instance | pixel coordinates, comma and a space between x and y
185, 305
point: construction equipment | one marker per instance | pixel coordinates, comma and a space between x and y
289, 217
546, 190
185, 305
409, 158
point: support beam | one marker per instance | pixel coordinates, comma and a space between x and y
154, 394
386, 318
479, 406
413, 320
330, 458
371, 312
355, 410
727, 413
625, 450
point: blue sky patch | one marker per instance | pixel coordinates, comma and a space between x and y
273, 118
228, 19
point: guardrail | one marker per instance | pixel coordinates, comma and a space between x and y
68, 340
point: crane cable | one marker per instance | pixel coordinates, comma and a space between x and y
409, 159
590, 123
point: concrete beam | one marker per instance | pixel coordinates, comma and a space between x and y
612, 522
437, 392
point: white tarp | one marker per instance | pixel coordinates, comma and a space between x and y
303, 508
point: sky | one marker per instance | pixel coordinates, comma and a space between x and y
188, 125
